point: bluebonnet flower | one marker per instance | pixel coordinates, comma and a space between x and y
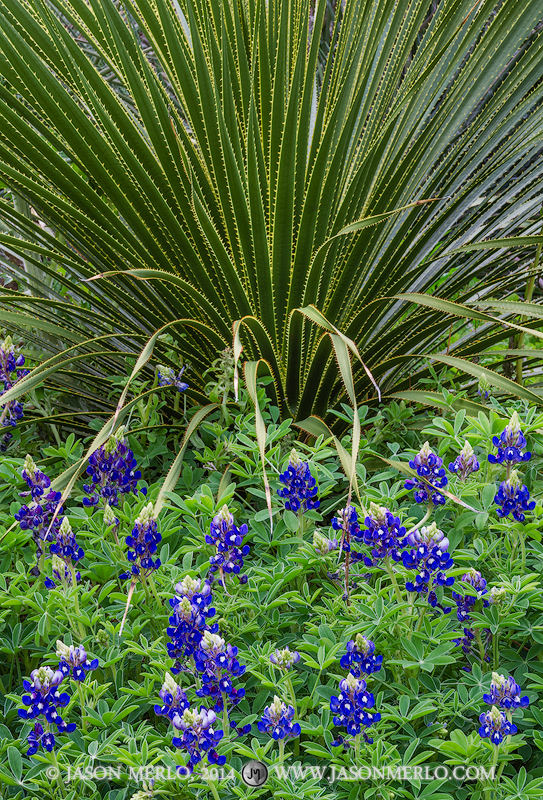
468, 644
429, 559
74, 661
143, 542
113, 470
241, 730
174, 699
36, 480
300, 486
513, 498
360, 657
65, 546
427, 465
510, 444
350, 708
323, 545
44, 699
11, 371
167, 377
38, 736
495, 725
465, 463
278, 721
188, 622
61, 574
285, 658
198, 737
464, 603
505, 693
217, 662
36, 516
228, 539
384, 533
347, 522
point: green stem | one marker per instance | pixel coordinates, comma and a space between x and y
225, 720
411, 614
291, 692
495, 651
153, 589
393, 579
214, 791
82, 631
421, 618
527, 299
522, 549
481, 648
488, 789
281, 743
55, 763
81, 694
425, 518
357, 748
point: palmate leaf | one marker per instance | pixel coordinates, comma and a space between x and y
232, 171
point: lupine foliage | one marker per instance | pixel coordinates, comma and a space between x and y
215, 159
211, 672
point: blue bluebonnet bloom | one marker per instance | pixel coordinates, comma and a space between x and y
113, 470
300, 490
513, 498
198, 737
510, 444
74, 661
11, 363
466, 642
323, 545
44, 699
217, 662
167, 377
350, 708
347, 522
38, 736
173, 697
465, 463
278, 721
430, 559
142, 543
505, 693
495, 725
360, 657
384, 533
36, 516
285, 658
66, 546
61, 573
191, 609
228, 539
427, 465
464, 603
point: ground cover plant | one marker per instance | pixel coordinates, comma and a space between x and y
380, 636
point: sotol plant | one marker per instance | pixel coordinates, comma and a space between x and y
209, 164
